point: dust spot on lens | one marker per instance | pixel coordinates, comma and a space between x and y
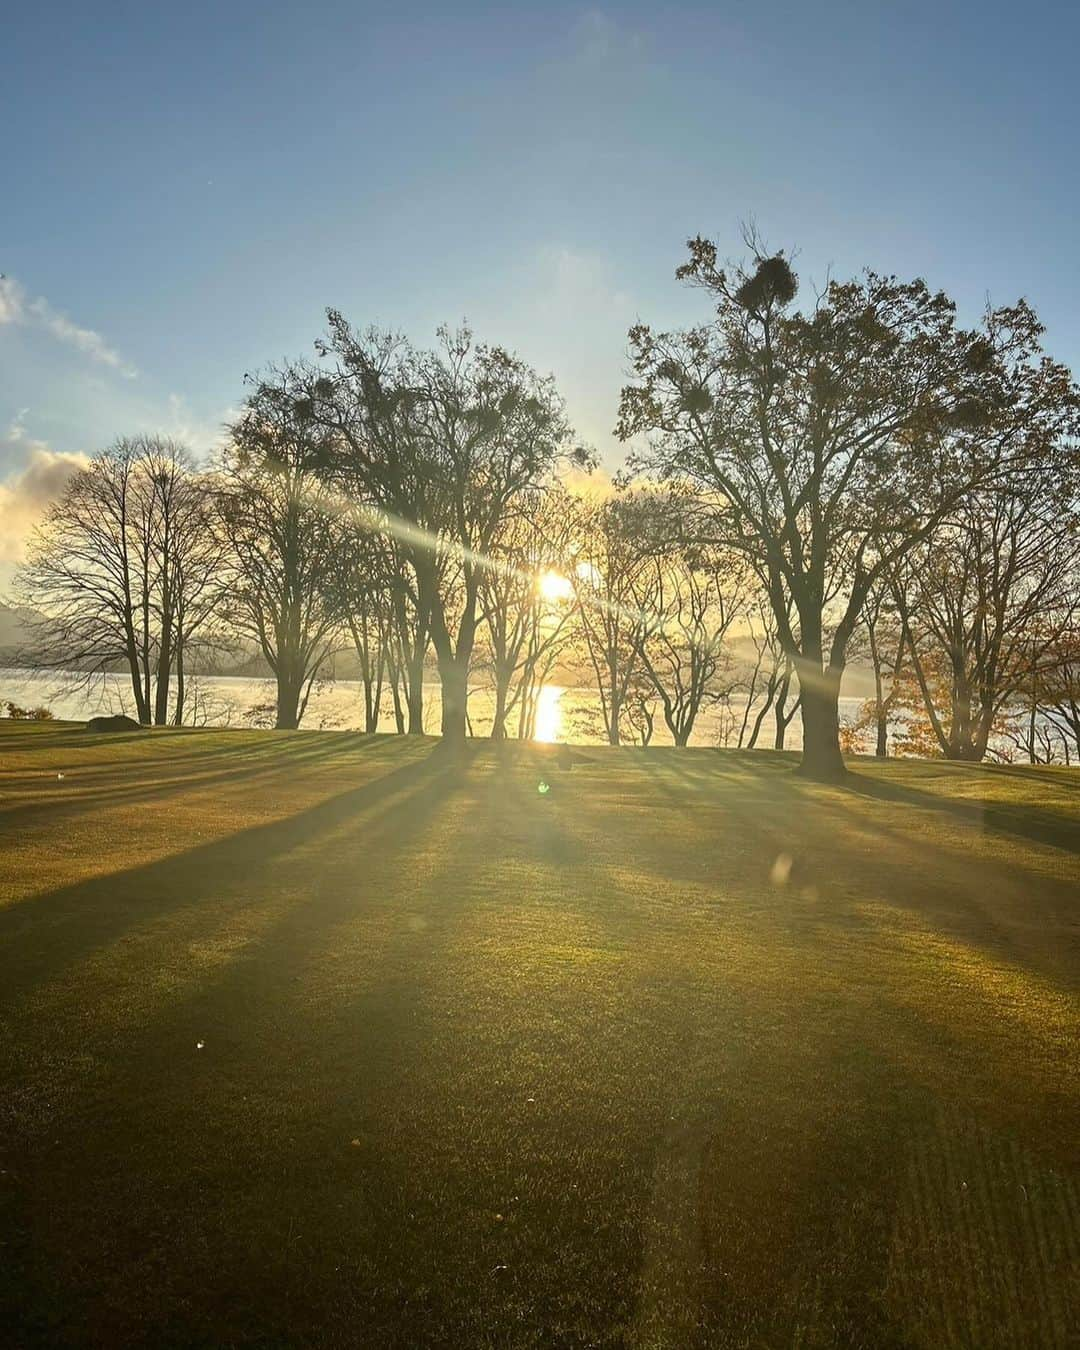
781, 869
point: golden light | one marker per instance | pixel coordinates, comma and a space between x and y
549, 713
588, 573
554, 587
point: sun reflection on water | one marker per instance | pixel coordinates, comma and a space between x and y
549, 719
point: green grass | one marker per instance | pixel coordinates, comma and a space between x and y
487, 1067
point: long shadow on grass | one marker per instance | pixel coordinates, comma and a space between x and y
49, 932
184, 746
825, 836
244, 770
318, 1061
1035, 824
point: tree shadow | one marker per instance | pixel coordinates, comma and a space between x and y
1036, 824
46, 933
116, 784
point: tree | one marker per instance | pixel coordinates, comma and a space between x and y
772, 662
989, 596
828, 444
884, 635
190, 553
409, 642
527, 602
640, 708
439, 448
608, 565
371, 580
691, 601
287, 546
126, 572
1054, 694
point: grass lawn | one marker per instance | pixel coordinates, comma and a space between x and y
325, 1040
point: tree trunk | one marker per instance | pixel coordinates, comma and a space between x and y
613, 725
755, 730
394, 676
164, 666
882, 748
453, 675
502, 691
783, 717
288, 700
142, 712
371, 710
414, 692
821, 757
399, 710
372, 681
181, 690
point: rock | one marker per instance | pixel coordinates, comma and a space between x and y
566, 758
117, 723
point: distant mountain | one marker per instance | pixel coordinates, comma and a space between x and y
15, 628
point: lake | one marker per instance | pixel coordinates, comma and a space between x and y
565, 713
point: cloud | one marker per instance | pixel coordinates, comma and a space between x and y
601, 40
578, 285
11, 301
16, 307
595, 486
201, 434
27, 493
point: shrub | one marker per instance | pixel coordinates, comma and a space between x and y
18, 714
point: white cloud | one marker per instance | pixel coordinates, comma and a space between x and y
11, 301
203, 435
601, 40
579, 285
27, 492
17, 308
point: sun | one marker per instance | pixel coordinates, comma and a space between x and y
554, 587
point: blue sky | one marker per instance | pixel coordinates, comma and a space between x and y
186, 188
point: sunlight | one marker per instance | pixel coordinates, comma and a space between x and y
589, 573
549, 713
554, 587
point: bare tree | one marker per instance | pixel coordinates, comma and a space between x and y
1054, 694
883, 634
770, 677
609, 563
831, 443
439, 446
691, 601
527, 599
372, 577
125, 571
287, 546
987, 600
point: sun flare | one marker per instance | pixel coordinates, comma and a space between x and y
554, 587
